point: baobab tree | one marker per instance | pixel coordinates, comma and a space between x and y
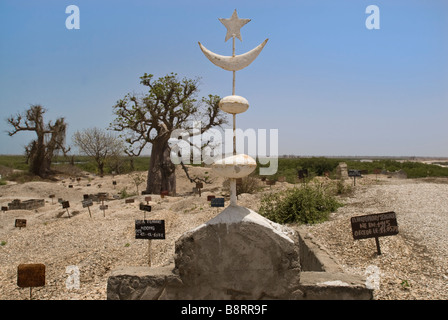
50, 138
169, 104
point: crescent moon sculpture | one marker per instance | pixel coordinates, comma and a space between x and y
238, 165
233, 63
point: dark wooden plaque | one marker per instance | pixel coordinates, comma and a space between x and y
65, 204
145, 207
20, 223
87, 203
199, 185
374, 225
150, 229
30, 275
354, 173
129, 201
217, 202
209, 198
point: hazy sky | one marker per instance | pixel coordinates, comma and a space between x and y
330, 85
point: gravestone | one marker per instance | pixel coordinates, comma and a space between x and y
342, 171
237, 255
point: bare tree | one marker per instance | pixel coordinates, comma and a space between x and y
98, 144
50, 138
170, 104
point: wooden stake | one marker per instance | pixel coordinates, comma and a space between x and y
149, 252
378, 245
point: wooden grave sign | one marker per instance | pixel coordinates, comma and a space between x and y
66, 205
52, 196
147, 199
4, 208
354, 174
209, 198
30, 276
164, 193
87, 203
145, 208
129, 201
199, 186
20, 223
217, 202
374, 226
104, 207
150, 230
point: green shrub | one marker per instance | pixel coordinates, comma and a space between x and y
309, 204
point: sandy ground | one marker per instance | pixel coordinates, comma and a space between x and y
413, 264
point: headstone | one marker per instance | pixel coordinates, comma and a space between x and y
129, 201
253, 257
209, 198
341, 171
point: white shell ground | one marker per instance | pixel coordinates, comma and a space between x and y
234, 167
231, 63
233, 104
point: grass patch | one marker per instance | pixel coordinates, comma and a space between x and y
309, 204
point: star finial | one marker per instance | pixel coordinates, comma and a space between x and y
233, 25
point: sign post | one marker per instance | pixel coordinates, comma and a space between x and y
354, 174
66, 205
150, 230
31, 275
87, 203
104, 207
374, 226
52, 196
199, 186
145, 208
